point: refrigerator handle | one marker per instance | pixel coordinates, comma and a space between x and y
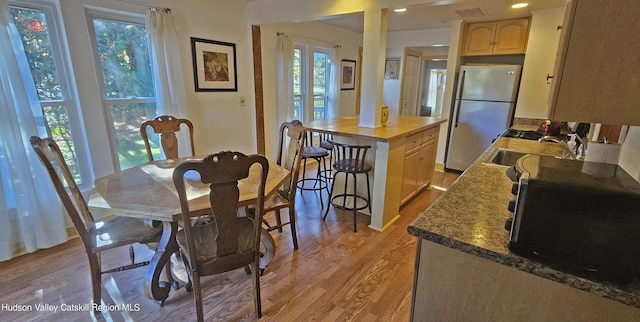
457, 110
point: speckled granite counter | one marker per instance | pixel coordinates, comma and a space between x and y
470, 217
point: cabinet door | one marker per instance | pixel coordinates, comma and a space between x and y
597, 73
410, 174
427, 163
511, 36
479, 38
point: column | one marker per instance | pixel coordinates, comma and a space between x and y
373, 56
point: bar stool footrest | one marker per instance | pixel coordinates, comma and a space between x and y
344, 196
321, 184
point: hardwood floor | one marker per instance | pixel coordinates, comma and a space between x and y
335, 275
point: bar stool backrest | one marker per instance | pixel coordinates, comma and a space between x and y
350, 158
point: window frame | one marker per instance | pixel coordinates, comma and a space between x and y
307, 96
106, 103
68, 89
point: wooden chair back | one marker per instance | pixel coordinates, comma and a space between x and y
51, 157
291, 142
166, 127
228, 241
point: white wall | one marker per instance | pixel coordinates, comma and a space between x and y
538, 62
219, 120
630, 153
418, 38
391, 88
308, 32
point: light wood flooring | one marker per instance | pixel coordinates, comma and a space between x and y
335, 275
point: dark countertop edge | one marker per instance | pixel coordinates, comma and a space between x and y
604, 289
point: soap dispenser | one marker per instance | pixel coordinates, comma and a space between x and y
572, 142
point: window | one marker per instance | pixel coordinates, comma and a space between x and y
127, 87
321, 80
58, 115
311, 82
298, 87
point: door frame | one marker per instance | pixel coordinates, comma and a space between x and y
410, 52
423, 61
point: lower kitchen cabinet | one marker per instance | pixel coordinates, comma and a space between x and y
419, 162
451, 285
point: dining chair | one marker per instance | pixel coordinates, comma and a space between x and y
96, 236
166, 126
291, 142
224, 240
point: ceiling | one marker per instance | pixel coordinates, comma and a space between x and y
433, 16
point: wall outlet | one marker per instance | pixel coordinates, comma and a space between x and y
243, 101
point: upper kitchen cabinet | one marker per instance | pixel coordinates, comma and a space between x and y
504, 37
597, 72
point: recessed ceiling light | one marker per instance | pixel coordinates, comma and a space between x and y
519, 5
400, 10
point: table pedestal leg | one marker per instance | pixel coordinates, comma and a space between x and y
154, 288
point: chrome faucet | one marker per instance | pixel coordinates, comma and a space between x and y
549, 138
581, 151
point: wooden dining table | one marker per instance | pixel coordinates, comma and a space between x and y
147, 192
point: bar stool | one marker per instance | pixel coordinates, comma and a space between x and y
319, 154
326, 142
350, 159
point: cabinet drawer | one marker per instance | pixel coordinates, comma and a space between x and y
413, 141
429, 135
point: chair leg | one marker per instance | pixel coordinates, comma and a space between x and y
368, 194
344, 198
355, 201
197, 295
278, 220
96, 279
330, 193
292, 224
256, 289
319, 181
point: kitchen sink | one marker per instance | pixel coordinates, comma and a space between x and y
504, 157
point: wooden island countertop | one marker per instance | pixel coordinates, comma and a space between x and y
397, 126
387, 156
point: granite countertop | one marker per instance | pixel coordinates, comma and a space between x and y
470, 217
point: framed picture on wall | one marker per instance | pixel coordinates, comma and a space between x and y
391, 67
347, 74
214, 65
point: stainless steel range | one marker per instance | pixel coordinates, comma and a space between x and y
522, 134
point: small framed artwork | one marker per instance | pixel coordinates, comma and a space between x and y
347, 74
214, 65
391, 67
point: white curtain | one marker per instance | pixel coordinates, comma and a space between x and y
169, 81
334, 84
284, 81
31, 215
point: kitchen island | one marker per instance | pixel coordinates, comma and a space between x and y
389, 144
464, 269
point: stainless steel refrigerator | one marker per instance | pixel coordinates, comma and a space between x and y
483, 109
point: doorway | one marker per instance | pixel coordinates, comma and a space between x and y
434, 76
